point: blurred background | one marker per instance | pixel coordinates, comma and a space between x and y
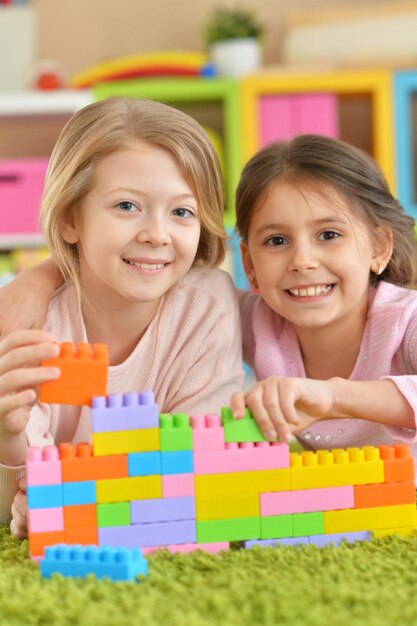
337, 67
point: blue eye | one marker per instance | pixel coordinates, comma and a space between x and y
326, 235
127, 206
276, 240
183, 212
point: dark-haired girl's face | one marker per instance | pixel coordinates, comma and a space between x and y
310, 257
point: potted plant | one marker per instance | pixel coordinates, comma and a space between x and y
233, 37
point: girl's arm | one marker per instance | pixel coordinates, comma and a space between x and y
24, 302
283, 407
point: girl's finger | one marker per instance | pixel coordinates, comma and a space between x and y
287, 400
23, 338
27, 356
237, 404
255, 401
14, 401
272, 404
26, 378
18, 525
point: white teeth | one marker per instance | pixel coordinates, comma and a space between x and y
147, 266
320, 290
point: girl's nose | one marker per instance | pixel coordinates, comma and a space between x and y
153, 231
302, 259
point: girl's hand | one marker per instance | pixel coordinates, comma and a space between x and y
24, 301
20, 374
19, 523
283, 407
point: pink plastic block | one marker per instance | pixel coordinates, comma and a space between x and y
208, 433
45, 520
242, 457
21, 186
43, 466
316, 113
307, 500
276, 118
177, 485
190, 547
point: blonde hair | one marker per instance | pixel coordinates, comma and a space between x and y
355, 175
107, 126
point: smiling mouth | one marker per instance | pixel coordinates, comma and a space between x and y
146, 266
309, 292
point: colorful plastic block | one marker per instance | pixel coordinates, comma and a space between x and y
81, 536
236, 529
190, 547
78, 463
373, 518
208, 432
83, 375
146, 535
177, 485
43, 466
242, 482
276, 526
45, 520
306, 524
307, 500
324, 468
398, 463
125, 441
126, 489
44, 496
162, 510
130, 411
176, 432
81, 492
385, 494
119, 564
242, 457
113, 514
240, 430
39, 541
268, 543
143, 463
80, 516
178, 462
226, 507
336, 538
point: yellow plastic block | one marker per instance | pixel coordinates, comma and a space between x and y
370, 519
124, 441
406, 531
226, 507
242, 482
124, 489
335, 468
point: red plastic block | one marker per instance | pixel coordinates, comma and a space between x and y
398, 463
385, 494
242, 457
208, 432
43, 466
78, 463
83, 375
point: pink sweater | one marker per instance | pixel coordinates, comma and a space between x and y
388, 350
190, 357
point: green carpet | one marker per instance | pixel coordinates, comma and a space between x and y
369, 583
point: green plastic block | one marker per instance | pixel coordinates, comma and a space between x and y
175, 432
241, 430
304, 524
238, 529
114, 514
276, 526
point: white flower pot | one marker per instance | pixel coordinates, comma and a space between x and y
236, 57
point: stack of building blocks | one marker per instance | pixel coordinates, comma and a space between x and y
153, 480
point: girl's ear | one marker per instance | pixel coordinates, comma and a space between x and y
248, 265
69, 230
383, 247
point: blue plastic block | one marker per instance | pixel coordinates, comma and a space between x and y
144, 463
178, 462
44, 496
119, 564
79, 492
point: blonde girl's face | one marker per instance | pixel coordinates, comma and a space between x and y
310, 256
138, 229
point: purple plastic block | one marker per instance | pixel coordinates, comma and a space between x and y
147, 535
267, 543
130, 411
162, 510
43, 466
336, 538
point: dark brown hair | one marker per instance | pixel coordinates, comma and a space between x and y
319, 160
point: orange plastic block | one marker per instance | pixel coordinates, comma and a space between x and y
39, 541
82, 536
78, 463
385, 494
80, 516
398, 463
83, 375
